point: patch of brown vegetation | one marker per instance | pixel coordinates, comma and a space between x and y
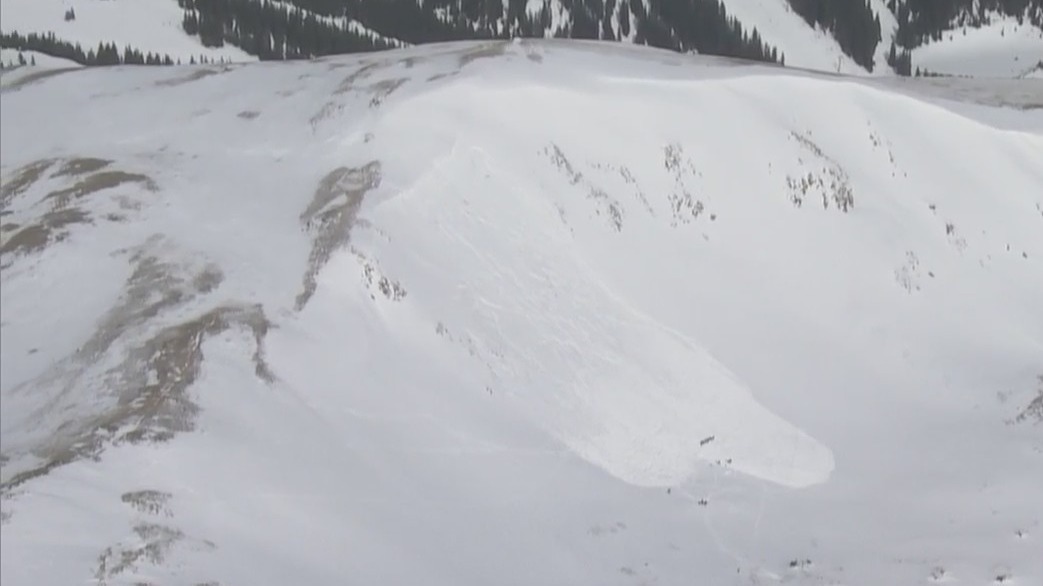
81, 166
156, 542
150, 381
49, 229
382, 89
51, 226
35, 77
484, 51
194, 76
23, 179
151, 502
97, 182
331, 215
348, 83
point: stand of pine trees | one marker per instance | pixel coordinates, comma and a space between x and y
900, 60
103, 54
920, 21
275, 29
698, 25
852, 22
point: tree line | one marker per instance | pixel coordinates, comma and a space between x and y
920, 21
853, 23
273, 29
103, 54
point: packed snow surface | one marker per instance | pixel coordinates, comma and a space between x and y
519, 313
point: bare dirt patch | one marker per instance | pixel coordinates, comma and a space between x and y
49, 229
150, 502
194, 76
485, 51
97, 182
331, 215
23, 179
382, 89
81, 166
378, 90
142, 376
35, 77
91, 176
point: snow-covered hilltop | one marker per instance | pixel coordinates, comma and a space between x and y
991, 38
519, 313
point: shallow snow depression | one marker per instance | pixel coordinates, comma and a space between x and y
511, 293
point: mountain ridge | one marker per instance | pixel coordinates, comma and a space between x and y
423, 316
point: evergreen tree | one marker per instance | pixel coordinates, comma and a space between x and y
853, 23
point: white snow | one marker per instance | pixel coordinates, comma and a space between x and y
582, 331
9, 59
146, 25
1002, 48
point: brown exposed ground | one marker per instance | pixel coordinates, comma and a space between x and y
196, 75
23, 178
97, 182
331, 215
81, 166
150, 382
149, 502
89, 175
35, 77
37, 236
487, 50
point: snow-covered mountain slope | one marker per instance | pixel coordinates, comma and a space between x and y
519, 313
1001, 48
146, 25
804, 46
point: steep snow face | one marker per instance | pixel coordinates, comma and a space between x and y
429, 315
146, 25
1002, 48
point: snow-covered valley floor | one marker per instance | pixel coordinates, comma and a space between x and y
551, 313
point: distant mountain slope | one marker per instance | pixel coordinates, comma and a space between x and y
531, 312
1003, 47
861, 36
145, 25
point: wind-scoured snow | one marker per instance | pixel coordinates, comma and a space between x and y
145, 25
519, 312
